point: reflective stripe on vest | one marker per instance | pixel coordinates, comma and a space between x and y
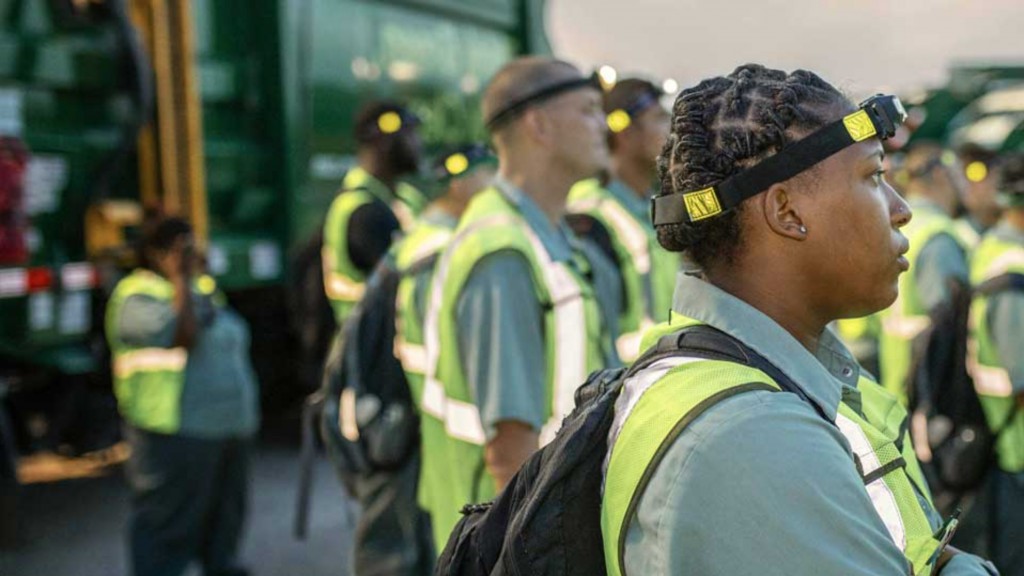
881, 495
149, 360
570, 371
337, 285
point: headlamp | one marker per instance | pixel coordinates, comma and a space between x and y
976, 171
461, 160
622, 118
516, 107
877, 117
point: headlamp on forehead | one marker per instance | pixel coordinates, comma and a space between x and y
516, 107
461, 160
877, 117
389, 121
976, 171
621, 118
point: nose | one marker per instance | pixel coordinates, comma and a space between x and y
900, 213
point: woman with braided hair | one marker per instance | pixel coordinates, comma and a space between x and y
746, 440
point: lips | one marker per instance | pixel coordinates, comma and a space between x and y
901, 259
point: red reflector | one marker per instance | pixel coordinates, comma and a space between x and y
39, 279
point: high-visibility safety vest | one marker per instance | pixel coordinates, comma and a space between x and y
908, 317
682, 388
421, 248
648, 271
148, 381
453, 470
995, 257
966, 234
343, 282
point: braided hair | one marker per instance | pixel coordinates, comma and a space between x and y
726, 125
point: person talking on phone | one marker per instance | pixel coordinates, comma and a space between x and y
188, 395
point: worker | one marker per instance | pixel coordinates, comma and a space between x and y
392, 534
773, 184
980, 201
616, 215
518, 314
996, 363
189, 398
373, 204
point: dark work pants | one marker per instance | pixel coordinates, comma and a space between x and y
1008, 525
188, 503
393, 535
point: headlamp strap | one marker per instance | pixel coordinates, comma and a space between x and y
517, 106
865, 123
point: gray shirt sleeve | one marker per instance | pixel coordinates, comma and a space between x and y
147, 322
1005, 318
607, 287
501, 341
941, 259
760, 484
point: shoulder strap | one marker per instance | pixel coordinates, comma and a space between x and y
703, 341
1007, 281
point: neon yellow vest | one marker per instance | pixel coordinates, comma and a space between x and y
148, 382
452, 432
907, 317
426, 241
343, 282
690, 387
648, 271
992, 258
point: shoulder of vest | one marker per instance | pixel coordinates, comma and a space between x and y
994, 257
142, 282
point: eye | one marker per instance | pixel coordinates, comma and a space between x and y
878, 177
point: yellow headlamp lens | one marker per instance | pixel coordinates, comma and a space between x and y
618, 121
976, 171
456, 164
389, 122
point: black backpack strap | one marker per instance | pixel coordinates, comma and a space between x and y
1002, 283
703, 341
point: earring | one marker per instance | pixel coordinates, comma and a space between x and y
803, 229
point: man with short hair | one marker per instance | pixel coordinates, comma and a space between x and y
373, 204
515, 318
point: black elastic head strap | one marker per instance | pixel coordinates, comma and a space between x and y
878, 117
517, 106
622, 118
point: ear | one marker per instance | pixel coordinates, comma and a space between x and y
782, 211
535, 125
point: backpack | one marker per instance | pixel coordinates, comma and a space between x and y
547, 521
369, 422
941, 391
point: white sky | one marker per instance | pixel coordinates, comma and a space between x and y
858, 45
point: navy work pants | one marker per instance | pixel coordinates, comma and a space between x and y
188, 503
393, 535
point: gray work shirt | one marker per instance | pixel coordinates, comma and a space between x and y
500, 322
761, 483
941, 259
220, 398
1005, 315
